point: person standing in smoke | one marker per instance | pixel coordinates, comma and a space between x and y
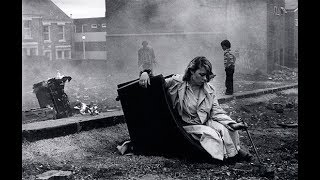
146, 58
229, 64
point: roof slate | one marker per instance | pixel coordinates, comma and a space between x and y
44, 8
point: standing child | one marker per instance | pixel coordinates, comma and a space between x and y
229, 64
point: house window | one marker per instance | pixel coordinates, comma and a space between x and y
94, 26
27, 29
63, 54
28, 51
104, 25
61, 33
46, 33
296, 22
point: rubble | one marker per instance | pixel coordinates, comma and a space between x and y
284, 74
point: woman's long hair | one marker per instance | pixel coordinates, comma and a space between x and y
196, 64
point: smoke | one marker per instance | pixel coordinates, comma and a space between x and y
192, 27
177, 30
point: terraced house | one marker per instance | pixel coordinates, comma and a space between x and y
46, 31
90, 38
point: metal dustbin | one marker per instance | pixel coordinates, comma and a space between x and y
51, 93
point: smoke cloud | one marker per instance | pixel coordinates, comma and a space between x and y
178, 30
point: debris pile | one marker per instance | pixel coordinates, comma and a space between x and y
284, 74
83, 108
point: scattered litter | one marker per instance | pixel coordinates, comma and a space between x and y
83, 108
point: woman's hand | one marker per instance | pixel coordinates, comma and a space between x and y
144, 80
238, 126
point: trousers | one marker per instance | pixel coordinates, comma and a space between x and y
229, 79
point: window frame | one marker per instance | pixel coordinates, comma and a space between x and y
49, 30
28, 50
63, 54
27, 31
94, 26
63, 33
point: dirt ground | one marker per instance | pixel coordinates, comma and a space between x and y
93, 154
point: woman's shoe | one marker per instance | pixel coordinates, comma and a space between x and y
245, 156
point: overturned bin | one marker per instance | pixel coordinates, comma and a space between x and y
51, 93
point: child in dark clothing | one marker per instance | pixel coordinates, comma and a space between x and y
229, 64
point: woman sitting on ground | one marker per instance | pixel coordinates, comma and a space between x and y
203, 118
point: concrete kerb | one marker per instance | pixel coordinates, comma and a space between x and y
56, 129
254, 93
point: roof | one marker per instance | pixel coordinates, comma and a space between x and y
44, 8
291, 4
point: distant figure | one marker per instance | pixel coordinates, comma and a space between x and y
146, 58
229, 65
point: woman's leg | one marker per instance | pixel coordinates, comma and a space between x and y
230, 139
